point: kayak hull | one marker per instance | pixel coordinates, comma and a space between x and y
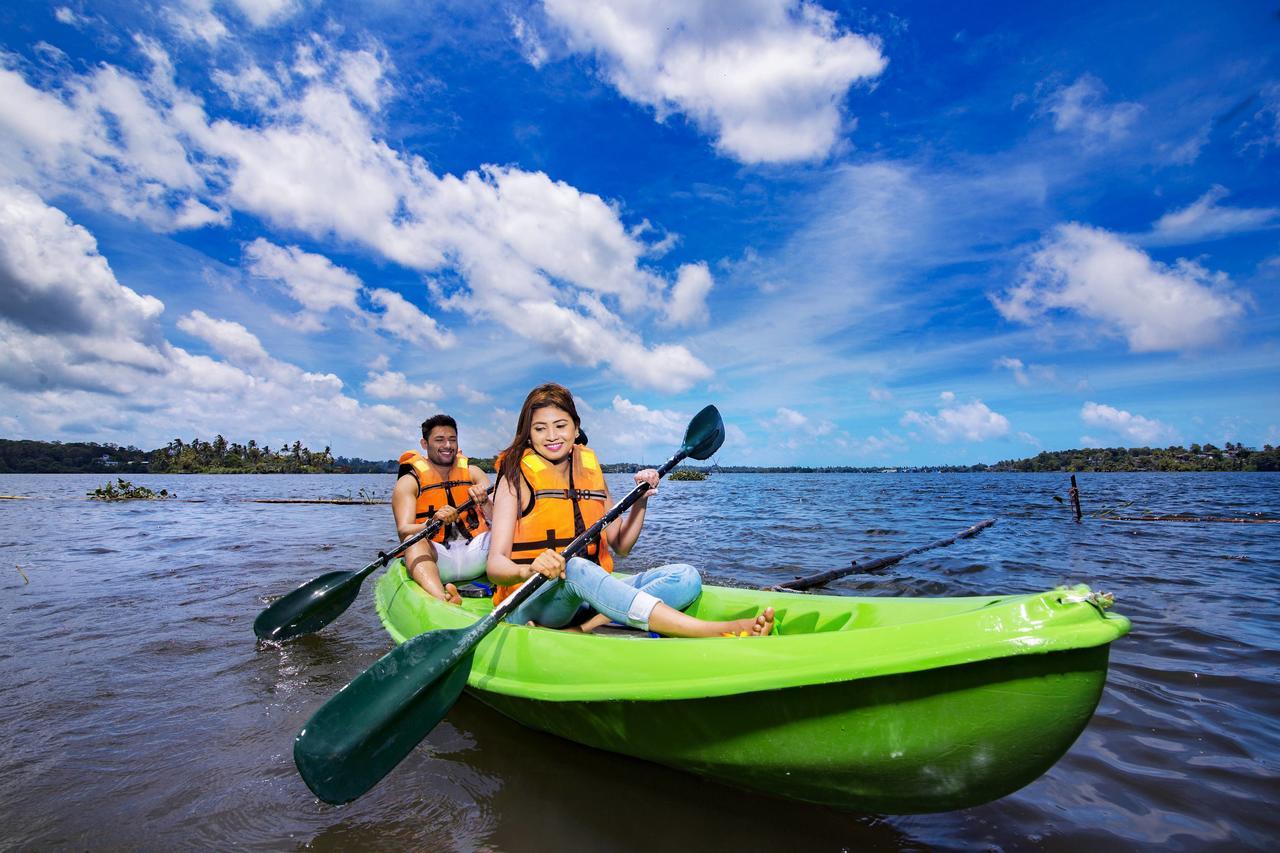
901, 734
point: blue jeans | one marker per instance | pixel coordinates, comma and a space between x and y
628, 601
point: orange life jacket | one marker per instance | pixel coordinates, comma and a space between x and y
559, 511
433, 493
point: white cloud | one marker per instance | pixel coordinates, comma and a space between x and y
1015, 366
1188, 151
231, 340
766, 78
471, 395
1205, 219
1097, 274
312, 280
194, 20
53, 278
688, 303
882, 446
973, 421
531, 46
787, 419
308, 159
67, 15
1027, 374
390, 385
1262, 131
262, 13
401, 318
1135, 428
790, 421
635, 426
1081, 108
879, 395
113, 359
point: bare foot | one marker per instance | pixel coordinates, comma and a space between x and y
451, 595
760, 626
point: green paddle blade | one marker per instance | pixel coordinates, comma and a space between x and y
309, 607
364, 731
705, 433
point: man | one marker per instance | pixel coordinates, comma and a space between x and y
430, 488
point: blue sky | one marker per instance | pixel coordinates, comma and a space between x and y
908, 233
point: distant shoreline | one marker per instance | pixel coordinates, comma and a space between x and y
221, 457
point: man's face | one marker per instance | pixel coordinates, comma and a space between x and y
441, 445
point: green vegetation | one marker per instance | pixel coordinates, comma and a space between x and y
79, 457
123, 490
222, 457
178, 457
688, 474
1207, 457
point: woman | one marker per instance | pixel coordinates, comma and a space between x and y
550, 489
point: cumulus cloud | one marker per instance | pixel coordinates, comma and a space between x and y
401, 318
320, 286
765, 78
1098, 275
312, 280
1205, 219
54, 280
114, 358
1134, 428
526, 248
791, 421
972, 421
1082, 108
390, 385
231, 340
688, 303
635, 426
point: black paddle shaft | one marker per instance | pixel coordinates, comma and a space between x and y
429, 530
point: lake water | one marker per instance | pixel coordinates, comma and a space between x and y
139, 712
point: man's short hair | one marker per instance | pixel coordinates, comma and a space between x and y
437, 421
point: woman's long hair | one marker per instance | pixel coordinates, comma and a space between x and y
548, 394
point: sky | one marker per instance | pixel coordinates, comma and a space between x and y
871, 235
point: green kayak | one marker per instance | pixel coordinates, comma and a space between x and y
886, 705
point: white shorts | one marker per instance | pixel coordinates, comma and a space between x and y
463, 560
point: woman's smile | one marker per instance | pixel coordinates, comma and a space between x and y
552, 433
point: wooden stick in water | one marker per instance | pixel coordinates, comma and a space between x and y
1075, 498
811, 581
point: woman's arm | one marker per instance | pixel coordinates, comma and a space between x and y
624, 531
502, 532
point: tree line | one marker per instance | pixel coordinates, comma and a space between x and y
220, 456
197, 456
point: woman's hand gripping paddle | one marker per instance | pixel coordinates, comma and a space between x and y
364, 731
319, 601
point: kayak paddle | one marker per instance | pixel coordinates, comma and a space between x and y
321, 600
359, 735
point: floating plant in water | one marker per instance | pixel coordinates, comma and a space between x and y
123, 490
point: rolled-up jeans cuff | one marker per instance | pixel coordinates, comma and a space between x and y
641, 609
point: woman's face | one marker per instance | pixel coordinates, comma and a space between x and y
552, 433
